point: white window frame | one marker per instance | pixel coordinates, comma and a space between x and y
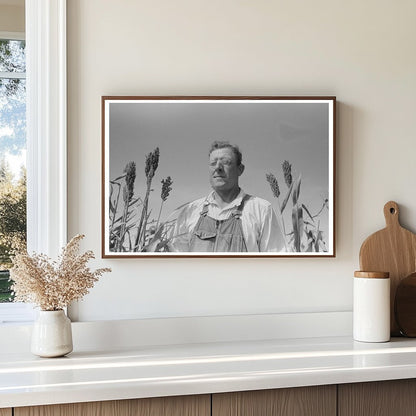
12, 35
46, 134
46, 125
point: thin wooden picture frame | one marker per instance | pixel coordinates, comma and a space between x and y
269, 161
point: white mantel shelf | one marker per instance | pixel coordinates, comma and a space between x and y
151, 371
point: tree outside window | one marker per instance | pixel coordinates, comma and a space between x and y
12, 156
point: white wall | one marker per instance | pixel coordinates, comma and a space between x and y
361, 51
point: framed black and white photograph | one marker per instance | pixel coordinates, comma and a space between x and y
218, 176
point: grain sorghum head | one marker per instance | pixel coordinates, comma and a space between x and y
287, 172
274, 185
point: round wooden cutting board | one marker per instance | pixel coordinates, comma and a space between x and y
405, 306
392, 250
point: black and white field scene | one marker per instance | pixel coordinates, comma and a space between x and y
212, 176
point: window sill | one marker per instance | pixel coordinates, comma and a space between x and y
16, 313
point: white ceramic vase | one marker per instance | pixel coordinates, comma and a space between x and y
52, 334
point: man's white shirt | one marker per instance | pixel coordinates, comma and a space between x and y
258, 220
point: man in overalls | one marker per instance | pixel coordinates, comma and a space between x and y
228, 219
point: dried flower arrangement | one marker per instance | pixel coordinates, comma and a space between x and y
52, 285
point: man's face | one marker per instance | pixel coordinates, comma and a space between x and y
223, 169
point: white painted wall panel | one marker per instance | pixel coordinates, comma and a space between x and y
362, 52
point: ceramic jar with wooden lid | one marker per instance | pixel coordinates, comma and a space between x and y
371, 306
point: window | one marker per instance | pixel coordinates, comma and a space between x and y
12, 155
46, 135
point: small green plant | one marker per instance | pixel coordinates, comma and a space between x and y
6, 294
305, 234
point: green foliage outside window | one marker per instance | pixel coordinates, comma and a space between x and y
12, 224
12, 147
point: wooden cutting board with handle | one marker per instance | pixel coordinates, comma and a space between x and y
393, 250
405, 306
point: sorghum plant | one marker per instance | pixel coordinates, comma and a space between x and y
151, 165
133, 228
128, 192
306, 234
166, 188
